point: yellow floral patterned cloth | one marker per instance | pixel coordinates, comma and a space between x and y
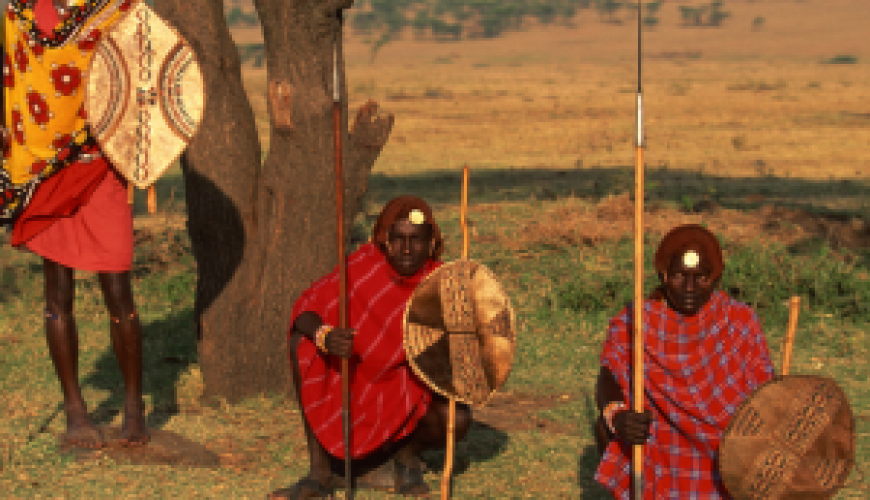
44, 84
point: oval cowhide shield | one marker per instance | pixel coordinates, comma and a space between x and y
145, 95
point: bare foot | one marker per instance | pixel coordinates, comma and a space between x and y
83, 434
134, 432
307, 487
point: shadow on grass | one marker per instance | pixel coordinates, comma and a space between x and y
168, 348
492, 185
588, 458
587, 463
523, 184
482, 444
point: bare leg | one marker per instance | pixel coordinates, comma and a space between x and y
318, 459
63, 345
126, 335
431, 431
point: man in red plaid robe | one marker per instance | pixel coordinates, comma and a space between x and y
704, 352
392, 411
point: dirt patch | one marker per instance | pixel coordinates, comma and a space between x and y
165, 448
613, 219
516, 412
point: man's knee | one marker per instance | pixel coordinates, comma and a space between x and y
117, 293
59, 297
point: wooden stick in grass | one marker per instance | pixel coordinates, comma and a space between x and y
451, 413
152, 200
637, 344
794, 309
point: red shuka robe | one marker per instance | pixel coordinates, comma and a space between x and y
387, 398
697, 372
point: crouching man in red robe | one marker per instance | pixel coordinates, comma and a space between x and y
704, 353
392, 411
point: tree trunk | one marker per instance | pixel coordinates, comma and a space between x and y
262, 234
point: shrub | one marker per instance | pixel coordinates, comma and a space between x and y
763, 276
842, 59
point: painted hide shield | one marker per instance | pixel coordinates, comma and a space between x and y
793, 437
460, 332
145, 95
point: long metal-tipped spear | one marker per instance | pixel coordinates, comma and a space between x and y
342, 266
451, 409
637, 379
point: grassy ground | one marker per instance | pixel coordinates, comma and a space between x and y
542, 447
747, 132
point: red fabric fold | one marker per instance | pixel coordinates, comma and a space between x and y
59, 196
387, 398
697, 372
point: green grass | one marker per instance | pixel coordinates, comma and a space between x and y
563, 296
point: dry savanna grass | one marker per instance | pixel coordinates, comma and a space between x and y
727, 101
747, 131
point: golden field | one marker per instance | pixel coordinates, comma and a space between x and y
725, 101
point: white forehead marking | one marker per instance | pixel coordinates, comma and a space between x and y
691, 259
416, 217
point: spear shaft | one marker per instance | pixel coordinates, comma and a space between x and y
342, 265
637, 344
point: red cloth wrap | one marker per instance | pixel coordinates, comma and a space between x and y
387, 398
80, 218
697, 372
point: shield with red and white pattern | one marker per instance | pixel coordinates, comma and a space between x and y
145, 95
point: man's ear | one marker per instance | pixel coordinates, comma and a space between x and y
433, 244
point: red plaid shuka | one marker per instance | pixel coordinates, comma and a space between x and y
697, 371
387, 398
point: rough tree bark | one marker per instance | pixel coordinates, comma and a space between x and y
262, 234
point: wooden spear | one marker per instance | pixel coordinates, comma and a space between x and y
637, 375
451, 413
794, 309
342, 266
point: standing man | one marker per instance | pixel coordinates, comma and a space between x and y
64, 200
704, 352
392, 411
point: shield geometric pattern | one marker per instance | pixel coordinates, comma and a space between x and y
460, 332
793, 437
145, 95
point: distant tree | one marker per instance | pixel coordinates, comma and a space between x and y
546, 13
607, 9
236, 17
692, 15
705, 15
378, 44
365, 22
492, 25
651, 21
716, 15
421, 23
757, 23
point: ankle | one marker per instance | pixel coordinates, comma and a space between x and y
409, 460
320, 474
